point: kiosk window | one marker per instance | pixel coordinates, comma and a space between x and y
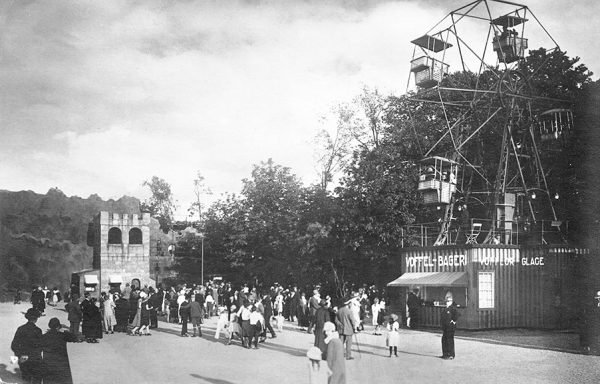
486, 290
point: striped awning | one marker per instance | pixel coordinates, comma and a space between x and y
431, 279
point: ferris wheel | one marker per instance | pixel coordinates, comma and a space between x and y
487, 105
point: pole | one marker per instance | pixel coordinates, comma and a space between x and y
202, 261
357, 344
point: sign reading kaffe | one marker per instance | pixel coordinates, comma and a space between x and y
461, 261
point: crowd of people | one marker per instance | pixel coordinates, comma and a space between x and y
246, 315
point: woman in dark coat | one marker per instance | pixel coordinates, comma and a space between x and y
56, 360
321, 317
92, 319
121, 313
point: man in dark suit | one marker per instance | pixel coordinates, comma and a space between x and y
38, 300
449, 318
27, 346
414, 303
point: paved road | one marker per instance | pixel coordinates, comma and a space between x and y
165, 357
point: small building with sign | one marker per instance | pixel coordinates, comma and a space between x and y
494, 286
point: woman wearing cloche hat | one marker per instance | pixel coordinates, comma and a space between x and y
56, 360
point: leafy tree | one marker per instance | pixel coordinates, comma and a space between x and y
161, 204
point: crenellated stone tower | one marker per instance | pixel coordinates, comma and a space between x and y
121, 244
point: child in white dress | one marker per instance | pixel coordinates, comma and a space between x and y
393, 334
222, 322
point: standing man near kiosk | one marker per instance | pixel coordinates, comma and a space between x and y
448, 319
414, 303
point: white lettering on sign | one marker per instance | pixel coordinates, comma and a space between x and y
497, 259
527, 261
441, 261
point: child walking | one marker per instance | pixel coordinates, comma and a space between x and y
317, 373
222, 322
393, 334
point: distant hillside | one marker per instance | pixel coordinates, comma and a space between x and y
43, 238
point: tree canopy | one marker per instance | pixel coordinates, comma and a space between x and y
279, 230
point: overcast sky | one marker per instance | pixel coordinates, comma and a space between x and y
98, 96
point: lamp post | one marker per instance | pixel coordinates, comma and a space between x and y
201, 258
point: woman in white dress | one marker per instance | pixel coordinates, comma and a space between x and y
279, 309
181, 299
393, 334
109, 314
375, 308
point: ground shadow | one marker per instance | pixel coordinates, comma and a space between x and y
211, 379
417, 354
7, 376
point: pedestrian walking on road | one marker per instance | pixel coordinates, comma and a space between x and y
91, 319
268, 314
321, 317
196, 314
222, 322
317, 373
38, 300
346, 323
56, 368
375, 309
279, 311
234, 325
184, 316
449, 318
393, 334
313, 306
75, 314
335, 355
27, 346
256, 323
145, 309
109, 314
247, 329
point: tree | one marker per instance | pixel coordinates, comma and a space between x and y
200, 189
161, 204
358, 126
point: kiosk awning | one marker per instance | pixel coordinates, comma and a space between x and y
115, 279
90, 279
431, 279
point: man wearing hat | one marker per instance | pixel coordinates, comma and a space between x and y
346, 325
335, 355
449, 318
27, 346
414, 303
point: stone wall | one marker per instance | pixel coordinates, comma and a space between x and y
122, 260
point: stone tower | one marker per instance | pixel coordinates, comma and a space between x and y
121, 244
